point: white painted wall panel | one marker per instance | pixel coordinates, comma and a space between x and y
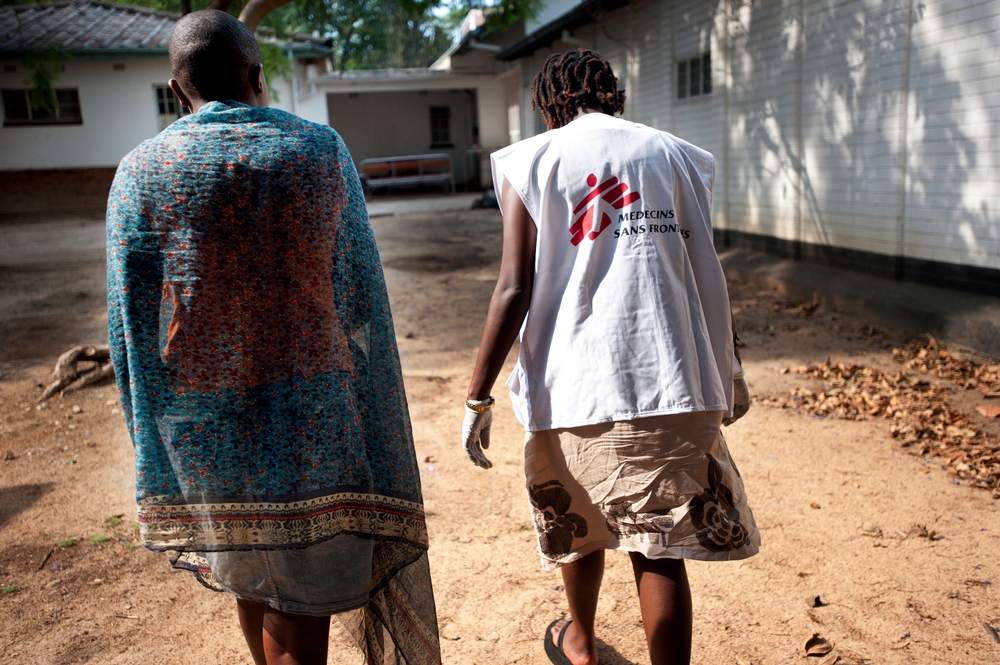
852, 89
651, 78
119, 113
831, 121
404, 119
763, 117
952, 191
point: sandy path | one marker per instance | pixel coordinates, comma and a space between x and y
891, 599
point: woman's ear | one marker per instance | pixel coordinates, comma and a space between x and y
259, 84
181, 96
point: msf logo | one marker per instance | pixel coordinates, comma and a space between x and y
614, 193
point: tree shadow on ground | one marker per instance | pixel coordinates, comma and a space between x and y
16, 499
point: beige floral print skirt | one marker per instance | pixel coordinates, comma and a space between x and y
665, 487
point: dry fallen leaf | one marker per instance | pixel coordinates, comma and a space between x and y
814, 505
988, 410
816, 646
921, 417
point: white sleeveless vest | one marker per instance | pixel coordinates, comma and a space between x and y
629, 314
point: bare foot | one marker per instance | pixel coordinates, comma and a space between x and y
576, 647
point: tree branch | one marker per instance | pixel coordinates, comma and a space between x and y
255, 10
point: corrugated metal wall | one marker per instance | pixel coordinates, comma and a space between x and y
862, 125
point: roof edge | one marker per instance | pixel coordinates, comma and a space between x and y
581, 15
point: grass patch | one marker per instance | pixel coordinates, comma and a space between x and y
130, 546
69, 542
10, 588
114, 520
100, 538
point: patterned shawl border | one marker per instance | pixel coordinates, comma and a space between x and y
277, 526
301, 506
285, 499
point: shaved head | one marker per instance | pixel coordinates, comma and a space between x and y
212, 56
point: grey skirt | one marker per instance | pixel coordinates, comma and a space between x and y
323, 579
665, 487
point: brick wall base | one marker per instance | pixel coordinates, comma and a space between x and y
43, 194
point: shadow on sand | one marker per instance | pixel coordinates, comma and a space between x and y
608, 655
16, 499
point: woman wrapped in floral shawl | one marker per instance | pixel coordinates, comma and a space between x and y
256, 359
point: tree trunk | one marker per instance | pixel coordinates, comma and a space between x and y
221, 5
255, 10
185, 7
343, 51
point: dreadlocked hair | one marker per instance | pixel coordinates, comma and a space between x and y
573, 80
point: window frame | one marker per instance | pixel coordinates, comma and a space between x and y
168, 98
71, 102
694, 77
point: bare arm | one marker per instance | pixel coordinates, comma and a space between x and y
509, 304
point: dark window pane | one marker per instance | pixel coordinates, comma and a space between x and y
15, 105
440, 130
706, 74
69, 105
695, 65
682, 83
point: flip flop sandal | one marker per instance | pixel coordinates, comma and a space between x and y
554, 650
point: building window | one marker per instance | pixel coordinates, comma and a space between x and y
694, 76
62, 109
440, 127
168, 108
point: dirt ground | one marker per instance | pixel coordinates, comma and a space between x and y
836, 501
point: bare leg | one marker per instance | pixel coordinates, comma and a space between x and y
665, 602
583, 587
280, 638
252, 623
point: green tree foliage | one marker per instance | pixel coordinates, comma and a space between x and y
276, 65
369, 34
499, 14
45, 66
376, 34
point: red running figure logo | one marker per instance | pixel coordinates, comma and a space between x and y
615, 195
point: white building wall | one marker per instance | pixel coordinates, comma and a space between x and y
762, 120
390, 124
119, 112
493, 115
283, 99
118, 109
852, 75
832, 123
648, 85
953, 138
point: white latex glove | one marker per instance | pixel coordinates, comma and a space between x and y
741, 400
476, 436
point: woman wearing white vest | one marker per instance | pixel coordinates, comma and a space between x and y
627, 365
